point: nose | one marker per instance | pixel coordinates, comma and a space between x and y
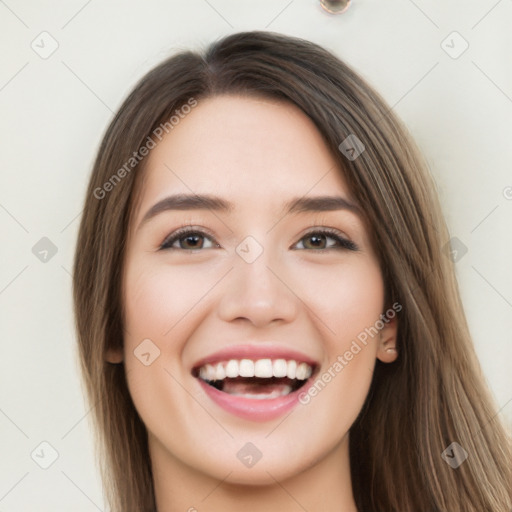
259, 292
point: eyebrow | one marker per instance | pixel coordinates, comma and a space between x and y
214, 203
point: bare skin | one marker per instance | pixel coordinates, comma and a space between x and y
304, 292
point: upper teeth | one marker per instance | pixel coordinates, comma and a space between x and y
265, 368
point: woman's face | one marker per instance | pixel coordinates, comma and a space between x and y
277, 276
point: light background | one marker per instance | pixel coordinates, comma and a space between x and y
55, 110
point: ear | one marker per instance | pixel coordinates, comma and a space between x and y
387, 351
114, 355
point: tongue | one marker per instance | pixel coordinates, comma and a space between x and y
257, 388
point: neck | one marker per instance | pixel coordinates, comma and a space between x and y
324, 485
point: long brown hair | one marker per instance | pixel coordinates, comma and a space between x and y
432, 396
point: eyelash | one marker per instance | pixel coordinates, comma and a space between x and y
343, 243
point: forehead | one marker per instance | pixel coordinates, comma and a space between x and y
251, 151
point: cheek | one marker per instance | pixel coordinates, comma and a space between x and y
347, 299
159, 306
163, 304
158, 300
349, 304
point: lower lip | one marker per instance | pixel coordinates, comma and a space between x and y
254, 409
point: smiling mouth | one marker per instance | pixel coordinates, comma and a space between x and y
260, 379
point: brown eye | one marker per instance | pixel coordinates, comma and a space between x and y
316, 241
187, 240
319, 240
191, 242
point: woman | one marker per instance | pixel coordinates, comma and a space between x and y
265, 314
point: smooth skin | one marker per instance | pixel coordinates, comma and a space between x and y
304, 291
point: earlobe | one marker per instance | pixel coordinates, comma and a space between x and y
114, 355
387, 351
